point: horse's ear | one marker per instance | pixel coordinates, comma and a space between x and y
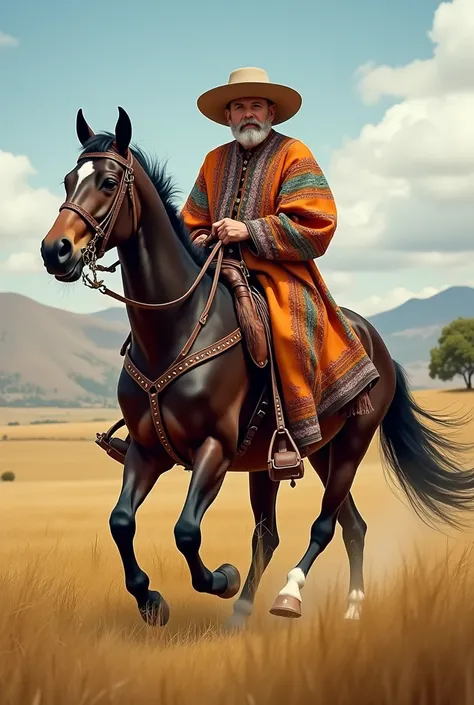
83, 130
123, 132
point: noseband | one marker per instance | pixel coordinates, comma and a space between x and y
103, 229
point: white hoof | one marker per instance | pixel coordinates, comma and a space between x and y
354, 609
288, 601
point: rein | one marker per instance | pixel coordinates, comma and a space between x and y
168, 304
103, 230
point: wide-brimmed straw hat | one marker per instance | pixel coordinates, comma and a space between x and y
249, 82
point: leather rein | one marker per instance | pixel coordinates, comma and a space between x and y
103, 230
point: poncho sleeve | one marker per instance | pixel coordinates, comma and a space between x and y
305, 218
195, 212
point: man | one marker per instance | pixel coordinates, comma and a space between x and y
264, 195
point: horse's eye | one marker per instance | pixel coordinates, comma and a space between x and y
109, 184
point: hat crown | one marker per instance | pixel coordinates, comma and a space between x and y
248, 74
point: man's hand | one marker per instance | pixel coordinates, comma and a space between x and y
230, 231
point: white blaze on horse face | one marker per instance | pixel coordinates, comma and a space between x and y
82, 173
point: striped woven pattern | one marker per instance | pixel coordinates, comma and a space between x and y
291, 217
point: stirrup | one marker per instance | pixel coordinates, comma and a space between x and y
106, 442
284, 464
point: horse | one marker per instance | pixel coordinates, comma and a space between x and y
190, 395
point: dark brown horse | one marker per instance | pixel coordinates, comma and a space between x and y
199, 412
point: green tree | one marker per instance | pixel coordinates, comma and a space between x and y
455, 352
7, 476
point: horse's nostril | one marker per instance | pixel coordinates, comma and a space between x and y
64, 250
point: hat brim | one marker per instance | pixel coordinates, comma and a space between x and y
287, 101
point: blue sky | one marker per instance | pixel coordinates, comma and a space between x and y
154, 59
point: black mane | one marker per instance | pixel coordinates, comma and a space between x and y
166, 188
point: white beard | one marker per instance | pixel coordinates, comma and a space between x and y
251, 137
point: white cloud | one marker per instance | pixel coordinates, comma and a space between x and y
26, 213
448, 71
338, 280
6, 40
404, 186
22, 262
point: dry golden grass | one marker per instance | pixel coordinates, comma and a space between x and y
56, 424
27, 415
70, 633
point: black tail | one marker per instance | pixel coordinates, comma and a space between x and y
427, 465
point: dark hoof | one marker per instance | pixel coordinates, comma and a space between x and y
155, 610
237, 622
233, 580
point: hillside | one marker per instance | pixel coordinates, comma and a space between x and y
49, 356
53, 357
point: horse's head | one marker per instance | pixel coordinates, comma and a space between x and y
101, 206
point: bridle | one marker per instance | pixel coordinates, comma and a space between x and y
103, 230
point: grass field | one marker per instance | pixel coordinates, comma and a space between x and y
70, 633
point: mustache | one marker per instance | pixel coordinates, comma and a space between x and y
251, 121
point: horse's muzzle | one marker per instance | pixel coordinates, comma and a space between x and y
61, 259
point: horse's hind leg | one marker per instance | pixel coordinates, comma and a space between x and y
265, 540
346, 452
354, 530
139, 476
209, 469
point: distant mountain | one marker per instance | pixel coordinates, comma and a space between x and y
53, 357
116, 314
412, 329
49, 356
458, 301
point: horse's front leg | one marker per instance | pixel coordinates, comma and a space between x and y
141, 471
208, 474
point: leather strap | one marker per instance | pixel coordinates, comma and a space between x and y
154, 387
169, 304
255, 422
104, 229
283, 464
178, 368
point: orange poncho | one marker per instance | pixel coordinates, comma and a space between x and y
322, 364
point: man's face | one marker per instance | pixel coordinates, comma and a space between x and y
250, 120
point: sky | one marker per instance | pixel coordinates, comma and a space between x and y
388, 109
